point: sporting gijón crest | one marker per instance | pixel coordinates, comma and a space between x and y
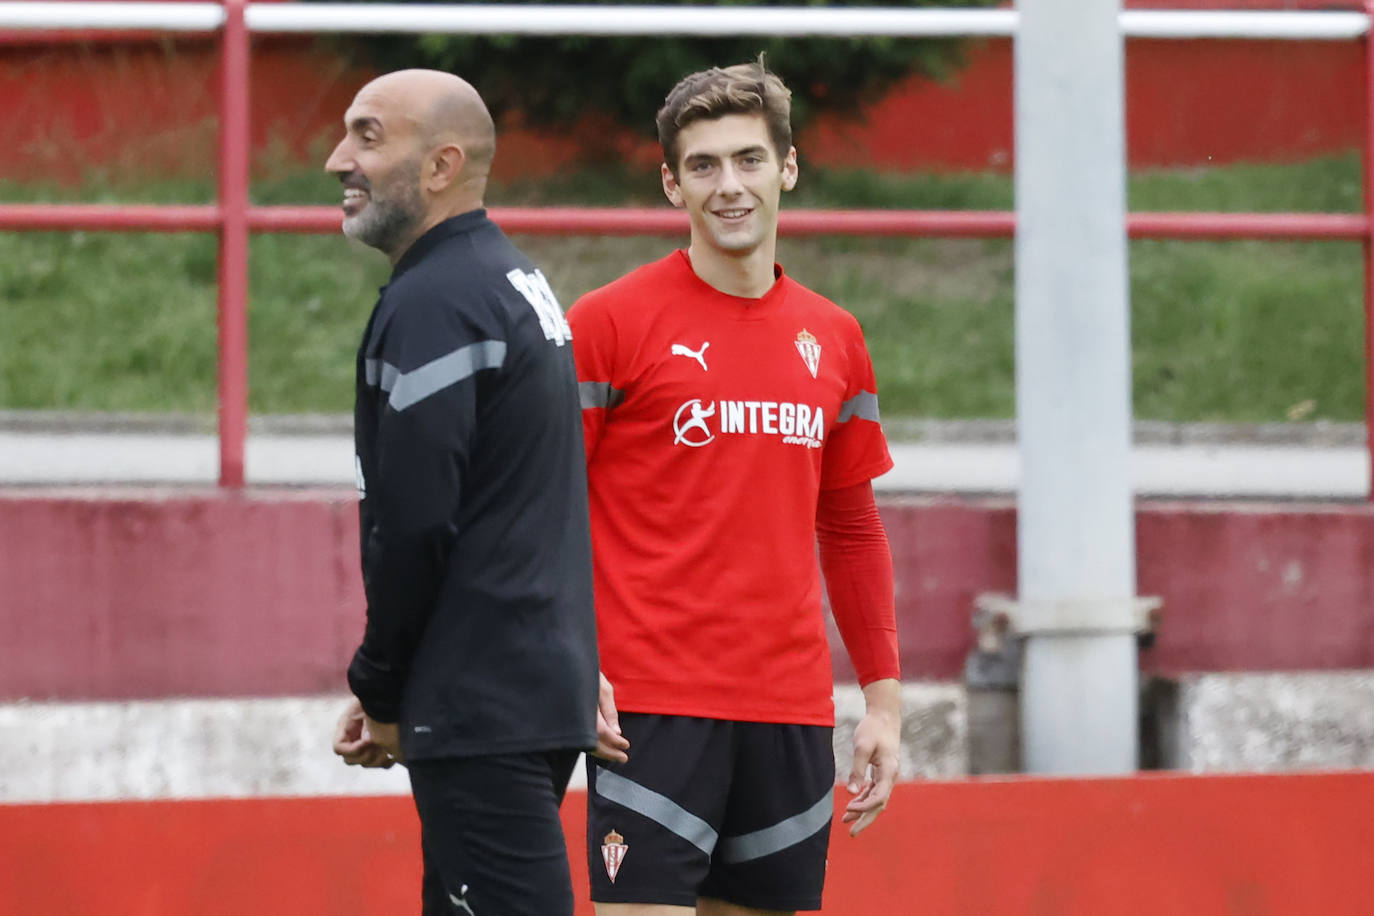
613, 851
810, 351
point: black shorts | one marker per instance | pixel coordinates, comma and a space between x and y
491, 835
736, 811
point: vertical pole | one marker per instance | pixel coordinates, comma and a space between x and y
1368, 162
233, 245
1076, 530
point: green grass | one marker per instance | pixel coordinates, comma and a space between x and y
1222, 331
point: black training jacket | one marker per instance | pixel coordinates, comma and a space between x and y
476, 553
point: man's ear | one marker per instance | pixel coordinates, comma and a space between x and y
789, 169
443, 167
670, 187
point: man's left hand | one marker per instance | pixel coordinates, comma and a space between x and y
385, 735
876, 742
355, 742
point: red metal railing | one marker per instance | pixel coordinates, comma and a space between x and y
233, 245
232, 218
1369, 245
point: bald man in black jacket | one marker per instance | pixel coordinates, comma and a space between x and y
478, 665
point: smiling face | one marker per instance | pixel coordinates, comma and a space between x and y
379, 164
729, 179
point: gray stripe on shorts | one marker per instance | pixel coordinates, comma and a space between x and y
658, 808
749, 846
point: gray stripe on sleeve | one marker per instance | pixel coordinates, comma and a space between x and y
863, 405
599, 394
658, 808
384, 372
410, 388
749, 846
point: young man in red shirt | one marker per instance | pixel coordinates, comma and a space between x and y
731, 423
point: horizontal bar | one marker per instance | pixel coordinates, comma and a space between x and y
110, 217
909, 223
904, 223
172, 17
523, 220
1224, 226
664, 221
789, 21
557, 19
1330, 26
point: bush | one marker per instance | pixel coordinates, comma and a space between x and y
559, 81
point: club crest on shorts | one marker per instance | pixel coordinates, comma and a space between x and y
613, 851
810, 351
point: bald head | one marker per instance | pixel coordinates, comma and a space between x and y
430, 135
444, 109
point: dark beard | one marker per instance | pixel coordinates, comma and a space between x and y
387, 224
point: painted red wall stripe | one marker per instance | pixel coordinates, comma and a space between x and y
138, 593
1138, 846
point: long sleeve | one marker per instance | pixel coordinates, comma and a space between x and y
857, 563
427, 393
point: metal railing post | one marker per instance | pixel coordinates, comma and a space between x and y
233, 244
1367, 162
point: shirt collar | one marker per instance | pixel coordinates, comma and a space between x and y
454, 225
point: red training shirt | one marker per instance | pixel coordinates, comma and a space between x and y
712, 422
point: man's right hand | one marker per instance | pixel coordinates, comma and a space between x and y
353, 743
610, 743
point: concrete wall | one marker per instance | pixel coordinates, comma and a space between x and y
1265, 723
120, 594
163, 595
127, 593
158, 594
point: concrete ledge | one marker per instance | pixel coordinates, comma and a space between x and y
233, 748
934, 730
240, 748
1216, 723
179, 749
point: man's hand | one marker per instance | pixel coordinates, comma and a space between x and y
385, 735
876, 740
610, 743
355, 742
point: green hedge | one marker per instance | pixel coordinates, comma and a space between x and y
558, 81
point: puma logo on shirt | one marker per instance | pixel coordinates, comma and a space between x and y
698, 355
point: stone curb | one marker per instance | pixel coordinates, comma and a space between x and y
1320, 434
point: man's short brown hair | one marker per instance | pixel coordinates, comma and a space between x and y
709, 94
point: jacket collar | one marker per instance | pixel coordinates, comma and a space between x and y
454, 225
